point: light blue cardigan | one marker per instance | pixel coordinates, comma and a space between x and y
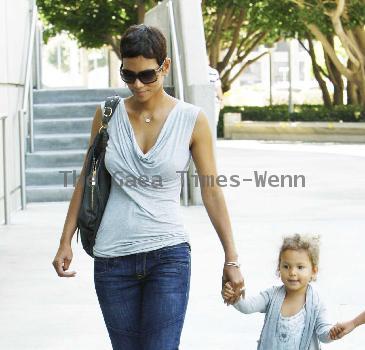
270, 301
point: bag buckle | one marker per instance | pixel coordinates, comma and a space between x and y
108, 111
103, 126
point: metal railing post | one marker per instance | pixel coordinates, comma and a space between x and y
5, 174
180, 85
27, 103
38, 55
30, 113
21, 117
175, 46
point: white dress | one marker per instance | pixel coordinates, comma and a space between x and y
289, 331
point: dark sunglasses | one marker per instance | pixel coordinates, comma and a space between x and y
147, 76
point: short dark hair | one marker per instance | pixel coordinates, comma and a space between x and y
143, 40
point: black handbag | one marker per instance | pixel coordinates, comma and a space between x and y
96, 182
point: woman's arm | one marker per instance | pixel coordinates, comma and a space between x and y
343, 328
359, 320
63, 257
213, 199
252, 304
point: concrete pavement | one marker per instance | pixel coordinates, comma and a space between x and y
40, 311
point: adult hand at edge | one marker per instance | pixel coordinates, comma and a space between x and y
62, 261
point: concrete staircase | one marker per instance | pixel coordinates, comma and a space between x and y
62, 125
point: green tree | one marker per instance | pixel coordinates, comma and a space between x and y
93, 23
233, 30
313, 21
229, 26
345, 20
289, 22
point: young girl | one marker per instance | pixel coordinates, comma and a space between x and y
343, 328
295, 316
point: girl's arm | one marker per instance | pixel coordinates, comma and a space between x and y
250, 305
323, 327
213, 199
343, 328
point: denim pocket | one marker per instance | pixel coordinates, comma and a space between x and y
100, 265
179, 254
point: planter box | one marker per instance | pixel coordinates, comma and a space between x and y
235, 129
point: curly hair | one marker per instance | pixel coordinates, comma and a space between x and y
309, 243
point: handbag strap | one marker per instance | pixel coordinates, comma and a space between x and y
111, 104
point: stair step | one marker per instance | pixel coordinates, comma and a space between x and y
65, 110
49, 193
52, 176
62, 125
55, 159
82, 95
77, 95
49, 142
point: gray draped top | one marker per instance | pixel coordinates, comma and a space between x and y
143, 210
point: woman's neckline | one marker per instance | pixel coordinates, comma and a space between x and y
137, 146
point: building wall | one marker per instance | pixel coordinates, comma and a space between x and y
14, 37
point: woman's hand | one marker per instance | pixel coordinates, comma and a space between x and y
233, 275
341, 329
62, 261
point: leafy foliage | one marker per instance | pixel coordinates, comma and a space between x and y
92, 22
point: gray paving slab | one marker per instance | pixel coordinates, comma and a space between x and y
40, 311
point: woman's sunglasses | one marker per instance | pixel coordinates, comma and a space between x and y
147, 76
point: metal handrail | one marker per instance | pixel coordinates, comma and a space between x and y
5, 173
28, 70
180, 83
27, 104
38, 55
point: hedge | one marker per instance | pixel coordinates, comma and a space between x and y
302, 113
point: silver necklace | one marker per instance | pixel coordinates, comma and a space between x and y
147, 119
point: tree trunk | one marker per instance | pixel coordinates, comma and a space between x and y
351, 93
361, 92
141, 11
356, 89
351, 89
317, 74
114, 44
338, 92
226, 86
334, 75
336, 80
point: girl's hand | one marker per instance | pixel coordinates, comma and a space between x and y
62, 261
341, 329
228, 293
233, 275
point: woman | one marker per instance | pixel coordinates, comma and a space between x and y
142, 252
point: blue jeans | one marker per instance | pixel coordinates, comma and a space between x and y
143, 297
